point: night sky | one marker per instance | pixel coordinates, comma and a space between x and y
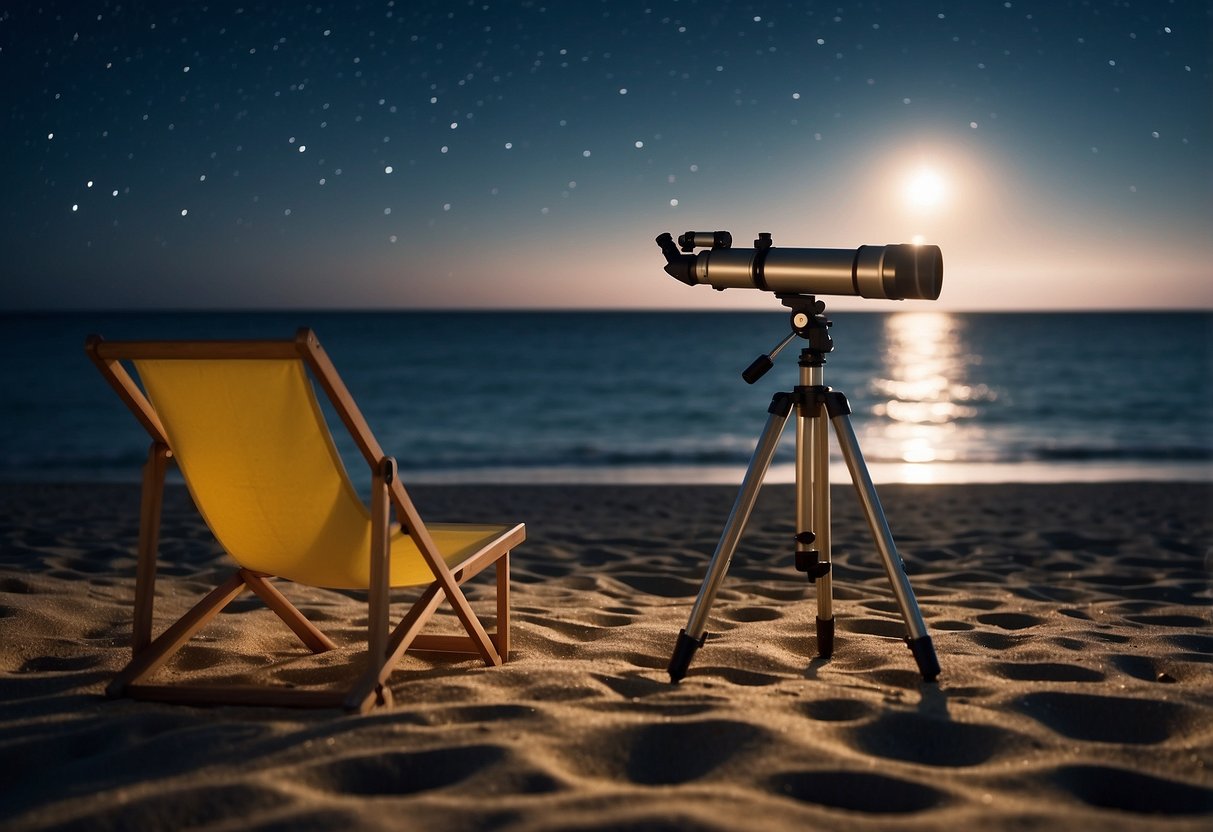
525, 154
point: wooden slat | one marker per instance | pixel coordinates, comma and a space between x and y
149, 544
402, 637
308, 633
485, 645
451, 644
410, 626
477, 562
198, 350
181, 631
307, 347
128, 391
378, 596
503, 607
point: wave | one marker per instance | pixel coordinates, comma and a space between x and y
1180, 453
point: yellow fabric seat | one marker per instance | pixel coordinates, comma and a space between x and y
274, 489
244, 425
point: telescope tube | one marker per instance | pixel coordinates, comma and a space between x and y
890, 272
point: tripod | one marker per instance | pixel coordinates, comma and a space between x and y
814, 403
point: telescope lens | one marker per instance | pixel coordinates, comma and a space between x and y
917, 271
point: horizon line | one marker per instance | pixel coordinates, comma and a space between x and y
373, 310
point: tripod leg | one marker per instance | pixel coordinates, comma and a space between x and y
691, 638
918, 639
813, 514
821, 497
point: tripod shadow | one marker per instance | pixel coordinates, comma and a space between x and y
898, 685
933, 699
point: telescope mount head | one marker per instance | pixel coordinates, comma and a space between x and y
810, 322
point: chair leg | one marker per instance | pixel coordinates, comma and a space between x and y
180, 632
467, 643
379, 592
385, 652
362, 694
371, 688
463, 611
407, 514
149, 542
502, 569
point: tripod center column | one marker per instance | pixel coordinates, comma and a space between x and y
813, 490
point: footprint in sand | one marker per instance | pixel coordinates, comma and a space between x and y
404, 773
57, 664
993, 641
1194, 643
660, 585
837, 710
1130, 791
671, 753
747, 615
1107, 718
739, 676
873, 627
916, 738
1141, 667
1010, 620
950, 624
1046, 672
858, 791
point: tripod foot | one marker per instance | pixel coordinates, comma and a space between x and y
924, 654
825, 637
683, 651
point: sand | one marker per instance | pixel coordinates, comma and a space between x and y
1072, 622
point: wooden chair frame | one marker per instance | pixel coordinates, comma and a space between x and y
384, 648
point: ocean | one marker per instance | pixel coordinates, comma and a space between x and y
617, 397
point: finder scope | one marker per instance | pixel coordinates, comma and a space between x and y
892, 272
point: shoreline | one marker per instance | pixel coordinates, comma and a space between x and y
779, 473
1072, 622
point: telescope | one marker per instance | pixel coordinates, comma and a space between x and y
890, 272
796, 276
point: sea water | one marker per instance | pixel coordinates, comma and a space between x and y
514, 396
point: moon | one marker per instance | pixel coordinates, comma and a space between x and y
925, 189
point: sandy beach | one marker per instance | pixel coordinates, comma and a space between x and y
1073, 624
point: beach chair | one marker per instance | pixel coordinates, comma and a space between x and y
242, 421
